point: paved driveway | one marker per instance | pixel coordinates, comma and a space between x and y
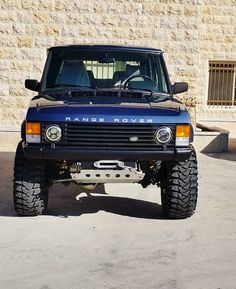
118, 238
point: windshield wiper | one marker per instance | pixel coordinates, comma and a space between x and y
153, 95
157, 97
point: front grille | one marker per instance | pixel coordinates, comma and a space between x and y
111, 136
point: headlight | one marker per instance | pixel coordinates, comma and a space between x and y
53, 133
164, 135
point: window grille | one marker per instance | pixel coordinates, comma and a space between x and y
100, 70
106, 70
222, 84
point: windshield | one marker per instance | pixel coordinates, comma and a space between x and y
105, 70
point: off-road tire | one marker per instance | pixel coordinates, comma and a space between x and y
30, 189
179, 187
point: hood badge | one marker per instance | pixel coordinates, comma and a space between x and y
133, 139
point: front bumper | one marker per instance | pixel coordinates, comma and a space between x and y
77, 154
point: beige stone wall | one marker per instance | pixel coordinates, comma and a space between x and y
191, 32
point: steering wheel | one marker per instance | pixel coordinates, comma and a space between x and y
127, 80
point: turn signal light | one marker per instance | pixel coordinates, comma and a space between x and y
33, 128
183, 131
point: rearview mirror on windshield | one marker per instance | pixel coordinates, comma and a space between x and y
179, 87
107, 60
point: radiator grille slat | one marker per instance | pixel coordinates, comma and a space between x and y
111, 136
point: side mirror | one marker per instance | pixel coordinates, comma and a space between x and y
32, 84
179, 87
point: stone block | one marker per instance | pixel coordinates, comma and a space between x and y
20, 65
18, 28
23, 16
31, 5
40, 17
11, 4
5, 29
25, 41
168, 22
7, 41
4, 89
35, 29
174, 10
43, 42
154, 9
8, 16
191, 11
56, 18
52, 30
48, 5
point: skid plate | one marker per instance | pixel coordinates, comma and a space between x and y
107, 176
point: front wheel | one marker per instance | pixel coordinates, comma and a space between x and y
30, 190
179, 187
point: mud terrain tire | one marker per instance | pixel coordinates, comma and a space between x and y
30, 189
179, 188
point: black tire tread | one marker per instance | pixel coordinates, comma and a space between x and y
180, 188
30, 191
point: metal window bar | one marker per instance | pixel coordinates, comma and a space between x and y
101, 70
222, 84
106, 71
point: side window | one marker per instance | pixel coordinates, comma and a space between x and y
162, 79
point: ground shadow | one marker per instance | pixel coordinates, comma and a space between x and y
229, 156
6, 178
117, 205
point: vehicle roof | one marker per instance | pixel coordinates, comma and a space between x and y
75, 47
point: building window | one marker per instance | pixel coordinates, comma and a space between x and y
222, 83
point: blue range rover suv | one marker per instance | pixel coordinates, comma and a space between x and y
106, 114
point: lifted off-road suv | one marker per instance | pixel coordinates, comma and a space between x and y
106, 114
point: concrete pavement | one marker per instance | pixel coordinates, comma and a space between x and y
118, 238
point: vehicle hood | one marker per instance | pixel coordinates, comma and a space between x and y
45, 110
